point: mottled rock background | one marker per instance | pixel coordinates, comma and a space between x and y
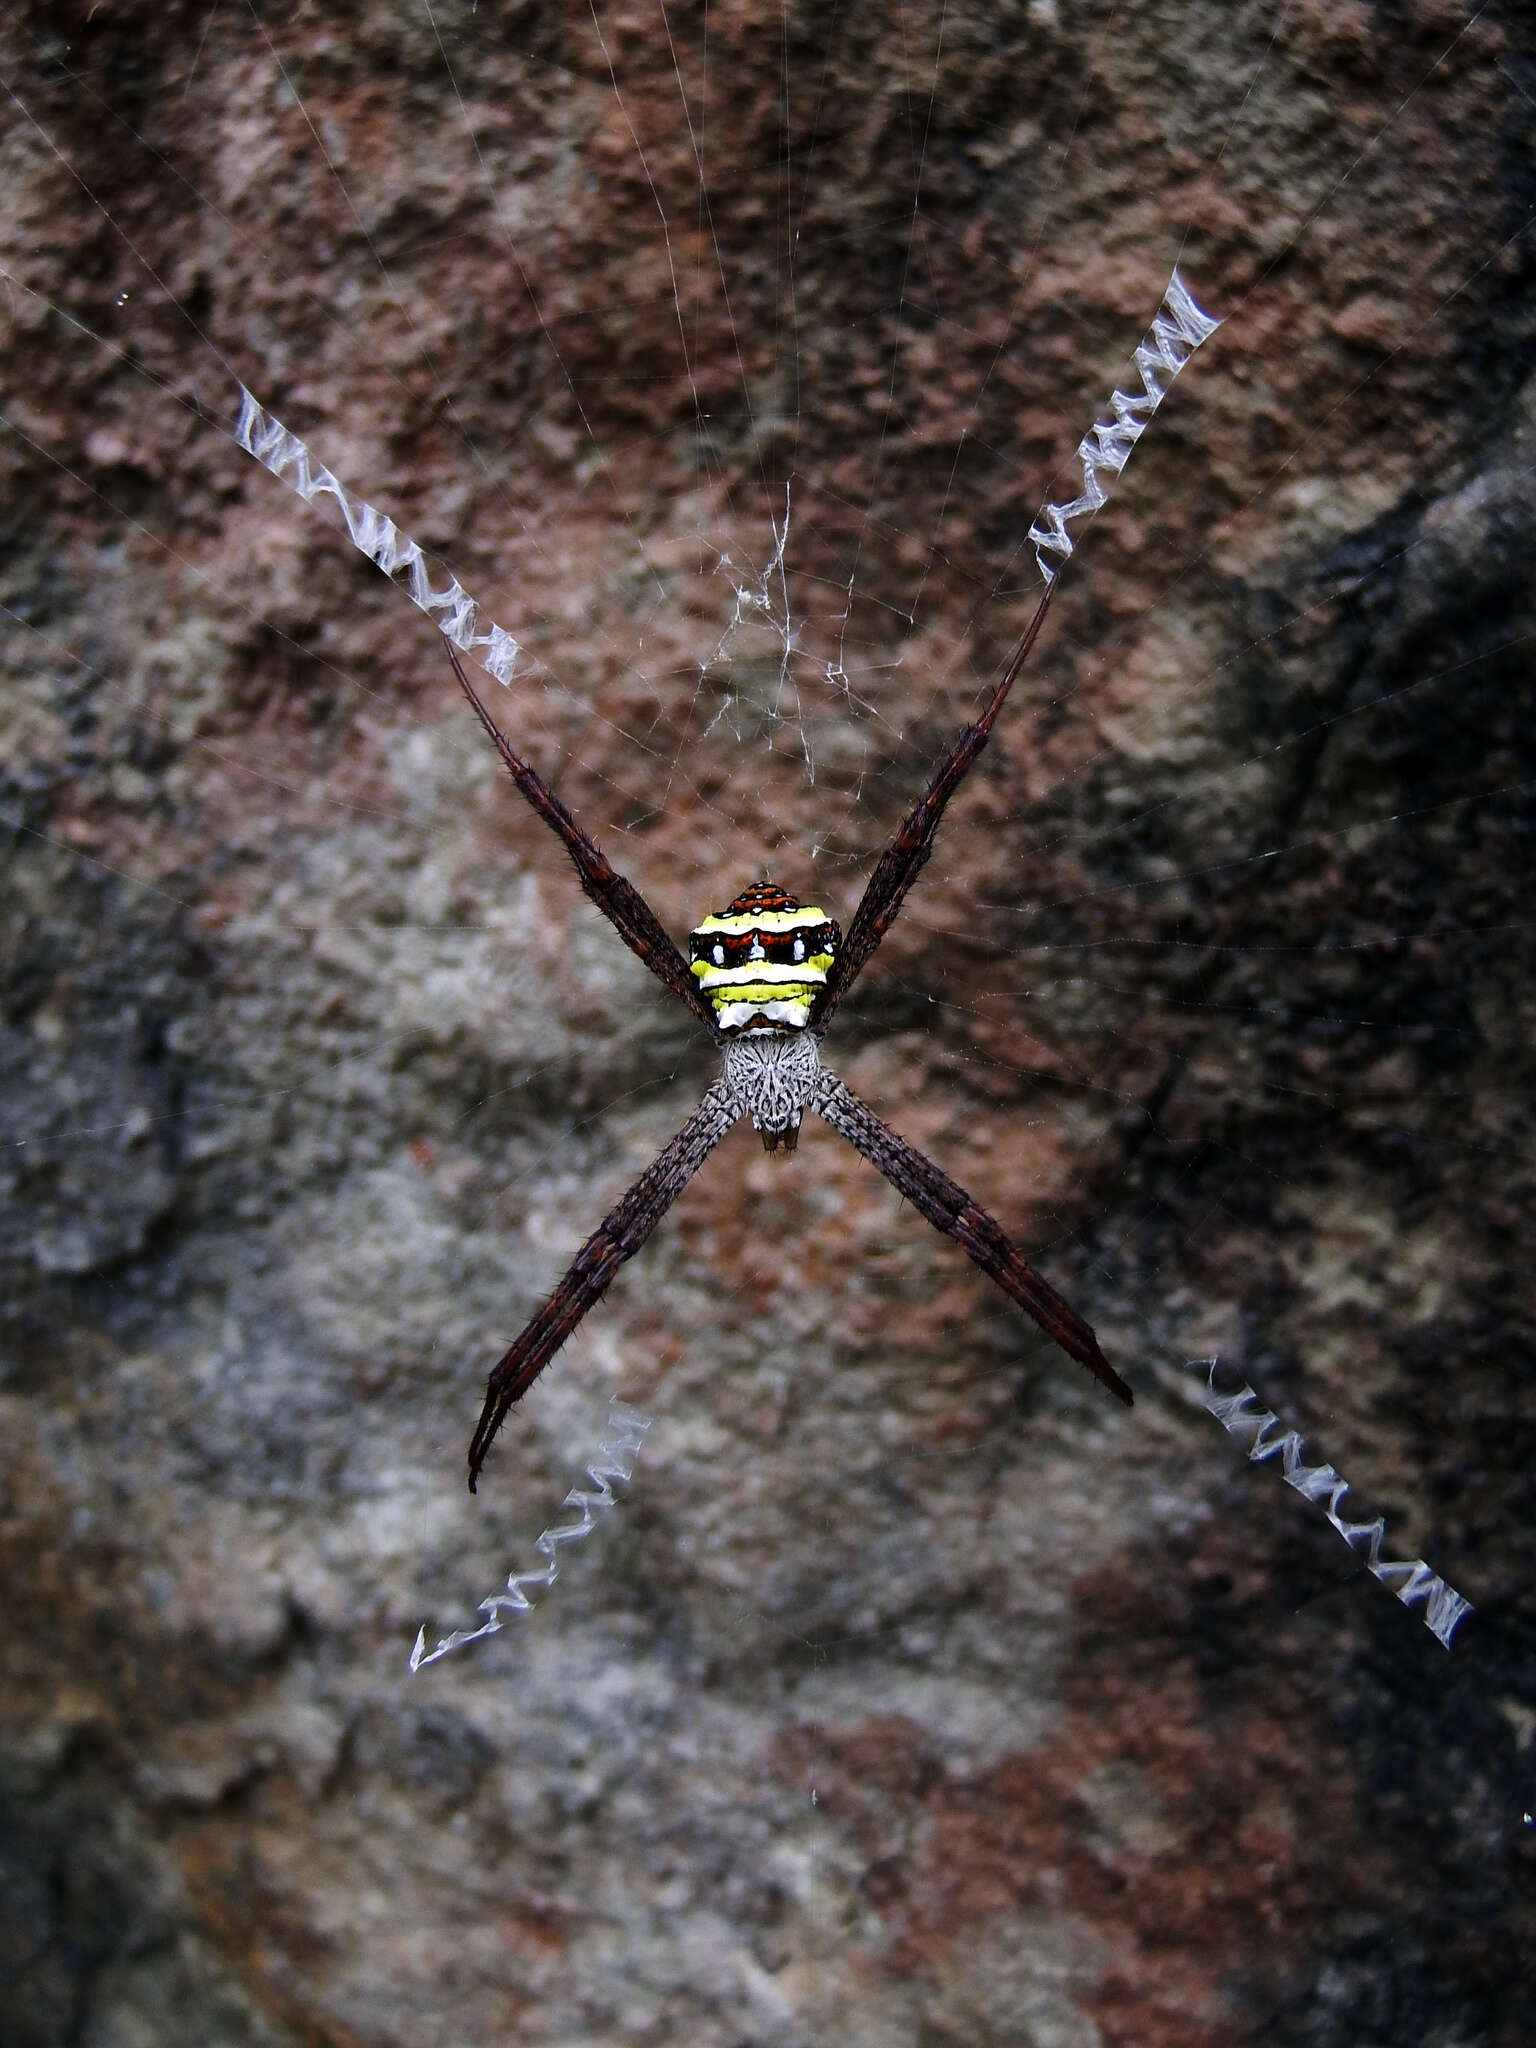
916, 1695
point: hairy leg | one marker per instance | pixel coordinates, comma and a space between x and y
950, 1209
619, 901
618, 1237
904, 859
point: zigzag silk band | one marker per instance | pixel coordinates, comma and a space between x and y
374, 534
1172, 339
614, 1459
1178, 330
1322, 1485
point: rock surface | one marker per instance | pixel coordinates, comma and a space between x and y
915, 1695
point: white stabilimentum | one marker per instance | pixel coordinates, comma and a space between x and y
1172, 339
452, 610
614, 1459
1323, 1486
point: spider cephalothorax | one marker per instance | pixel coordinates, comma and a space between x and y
764, 977
773, 1075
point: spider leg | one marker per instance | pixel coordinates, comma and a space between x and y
950, 1209
619, 901
618, 1237
903, 860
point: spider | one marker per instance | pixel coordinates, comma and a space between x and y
764, 977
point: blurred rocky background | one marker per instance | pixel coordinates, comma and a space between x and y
915, 1695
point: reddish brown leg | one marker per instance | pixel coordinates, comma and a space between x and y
617, 1238
934, 1195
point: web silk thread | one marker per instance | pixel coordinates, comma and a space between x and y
613, 1460
378, 537
1322, 1485
1172, 339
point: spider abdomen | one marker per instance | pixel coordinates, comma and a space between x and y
762, 961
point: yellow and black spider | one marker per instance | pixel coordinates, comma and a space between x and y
764, 978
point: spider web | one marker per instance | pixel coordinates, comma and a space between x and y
734, 404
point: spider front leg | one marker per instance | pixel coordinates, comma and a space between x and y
618, 1237
950, 1209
